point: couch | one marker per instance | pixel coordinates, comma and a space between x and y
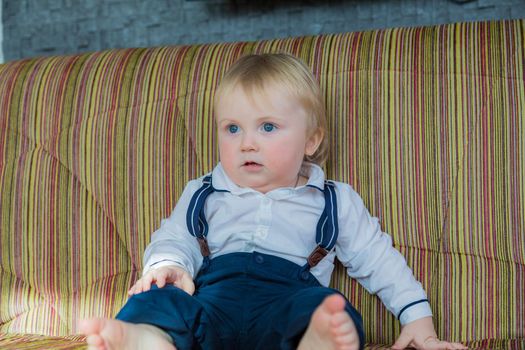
426, 123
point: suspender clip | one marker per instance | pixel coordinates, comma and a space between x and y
317, 255
205, 249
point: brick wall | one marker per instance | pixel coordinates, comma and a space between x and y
50, 27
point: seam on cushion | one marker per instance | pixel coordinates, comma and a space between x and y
107, 277
42, 146
29, 286
191, 141
77, 58
198, 157
108, 111
510, 262
43, 303
80, 60
40, 295
77, 180
58, 314
90, 117
39, 337
493, 340
188, 89
446, 220
59, 317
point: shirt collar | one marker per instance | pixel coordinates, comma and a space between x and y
315, 174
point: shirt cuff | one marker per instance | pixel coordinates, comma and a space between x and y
415, 312
161, 263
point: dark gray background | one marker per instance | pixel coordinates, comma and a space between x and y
52, 27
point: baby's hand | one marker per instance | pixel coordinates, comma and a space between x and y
420, 334
164, 275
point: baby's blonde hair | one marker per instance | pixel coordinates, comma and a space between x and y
257, 73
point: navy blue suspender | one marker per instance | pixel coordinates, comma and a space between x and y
195, 219
327, 228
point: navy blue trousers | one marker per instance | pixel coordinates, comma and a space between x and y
242, 301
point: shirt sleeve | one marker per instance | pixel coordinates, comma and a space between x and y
172, 244
370, 258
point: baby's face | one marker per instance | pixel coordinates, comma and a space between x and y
263, 139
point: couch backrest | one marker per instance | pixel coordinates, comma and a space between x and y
427, 124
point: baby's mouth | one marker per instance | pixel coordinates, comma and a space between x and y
251, 164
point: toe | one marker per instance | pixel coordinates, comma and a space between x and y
340, 319
95, 340
334, 303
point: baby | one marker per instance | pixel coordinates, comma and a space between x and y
244, 260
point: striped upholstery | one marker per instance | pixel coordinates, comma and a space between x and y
427, 124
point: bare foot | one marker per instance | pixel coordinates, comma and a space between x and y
330, 327
106, 334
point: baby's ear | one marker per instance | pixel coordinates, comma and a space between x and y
313, 142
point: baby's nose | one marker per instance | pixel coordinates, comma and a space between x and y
248, 143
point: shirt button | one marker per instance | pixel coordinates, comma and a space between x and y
259, 259
305, 275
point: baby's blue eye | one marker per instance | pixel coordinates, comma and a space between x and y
268, 127
233, 129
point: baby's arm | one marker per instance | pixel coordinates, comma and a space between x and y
164, 275
368, 254
172, 244
370, 258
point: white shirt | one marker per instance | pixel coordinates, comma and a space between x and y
283, 223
